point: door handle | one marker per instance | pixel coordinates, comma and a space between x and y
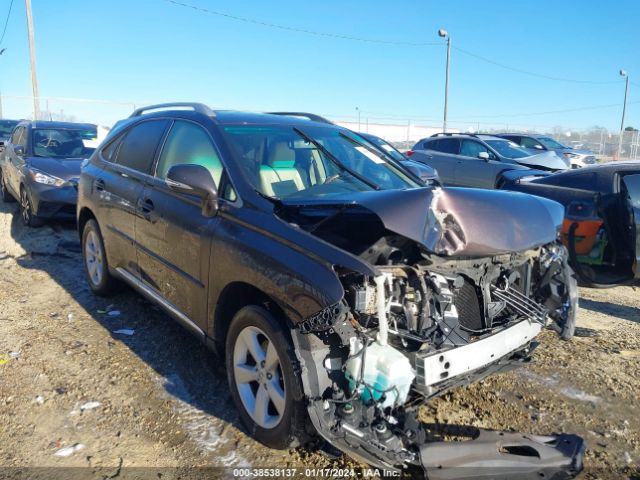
99, 185
146, 207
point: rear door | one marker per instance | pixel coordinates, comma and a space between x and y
472, 171
127, 163
443, 157
632, 193
172, 235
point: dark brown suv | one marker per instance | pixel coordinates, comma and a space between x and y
338, 288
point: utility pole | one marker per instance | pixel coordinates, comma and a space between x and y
444, 34
32, 57
624, 110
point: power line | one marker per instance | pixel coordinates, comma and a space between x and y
6, 22
532, 74
300, 30
386, 42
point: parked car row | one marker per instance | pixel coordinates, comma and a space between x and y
342, 289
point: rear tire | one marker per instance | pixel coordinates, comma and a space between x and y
95, 263
264, 379
5, 196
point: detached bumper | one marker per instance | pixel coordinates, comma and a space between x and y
499, 455
51, 201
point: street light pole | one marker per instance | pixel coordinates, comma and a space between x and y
358, 110
32, 57
444, 34
624, 74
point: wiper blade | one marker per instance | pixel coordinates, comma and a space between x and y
334, 159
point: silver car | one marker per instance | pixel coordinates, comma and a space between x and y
484, 161
542, 143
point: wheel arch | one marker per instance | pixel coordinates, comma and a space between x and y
235, 296
84, 215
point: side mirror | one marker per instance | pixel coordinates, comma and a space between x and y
195, 180
18, 150
483, 156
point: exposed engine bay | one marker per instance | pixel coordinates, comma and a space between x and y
423, 324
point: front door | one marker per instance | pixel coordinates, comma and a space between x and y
473, 171
173, 237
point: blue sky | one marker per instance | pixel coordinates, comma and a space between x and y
141, 51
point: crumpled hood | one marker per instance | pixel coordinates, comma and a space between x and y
64, 168
548, 159
464, 221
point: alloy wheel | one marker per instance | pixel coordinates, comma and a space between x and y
258, 377
94, 258
25, 207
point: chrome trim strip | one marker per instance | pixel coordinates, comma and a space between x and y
150, 294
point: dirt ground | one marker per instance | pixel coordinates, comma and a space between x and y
157, 399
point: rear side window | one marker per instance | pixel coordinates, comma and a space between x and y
188, 143
449, 145
140, 144
581, 181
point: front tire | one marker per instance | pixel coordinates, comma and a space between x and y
95, 263
263, 379
29, 218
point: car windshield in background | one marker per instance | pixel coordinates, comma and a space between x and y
550, 143
64, 143
6, 127
508, 149
388, 148
311, 162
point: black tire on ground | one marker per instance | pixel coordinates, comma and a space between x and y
105, 285
29, 219
5, 196
291, 431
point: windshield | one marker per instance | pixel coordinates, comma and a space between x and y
386, 147
64, 143
6, 127
550, 143
508, 149
312, 162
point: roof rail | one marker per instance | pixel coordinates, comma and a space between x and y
197, 107
310, 116
449, 134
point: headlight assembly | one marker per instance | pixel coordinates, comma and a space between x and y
45, 179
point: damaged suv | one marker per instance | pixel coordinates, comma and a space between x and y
336, 285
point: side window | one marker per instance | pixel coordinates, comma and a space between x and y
527, 142
471, 148
109, 152
449, 145
140, 144
189, 143
19, 137
430, 145
583, 181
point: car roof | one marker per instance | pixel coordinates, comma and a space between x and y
60, 125
533, 135
480, 136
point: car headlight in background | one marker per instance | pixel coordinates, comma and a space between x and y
572, 156
45, 179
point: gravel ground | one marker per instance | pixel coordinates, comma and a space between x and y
70, 384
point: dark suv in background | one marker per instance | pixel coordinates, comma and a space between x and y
337, 287
469, 160
40, 167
